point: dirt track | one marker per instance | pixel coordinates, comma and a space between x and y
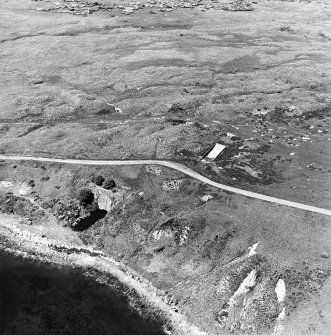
221, 71
178, 167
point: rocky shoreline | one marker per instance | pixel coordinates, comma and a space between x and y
142, 297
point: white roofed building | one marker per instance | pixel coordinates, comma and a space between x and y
215, 151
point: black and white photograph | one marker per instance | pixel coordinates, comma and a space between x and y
165, 167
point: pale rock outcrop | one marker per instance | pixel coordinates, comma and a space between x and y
107, 199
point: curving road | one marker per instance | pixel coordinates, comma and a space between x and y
175, 166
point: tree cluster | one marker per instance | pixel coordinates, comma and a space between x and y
108, 183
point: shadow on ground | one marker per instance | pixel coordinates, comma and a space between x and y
90, 220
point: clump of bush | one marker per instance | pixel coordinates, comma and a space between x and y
302, 283
109, 183
85, 197
31, 183
66, 211
98, 180
12, 204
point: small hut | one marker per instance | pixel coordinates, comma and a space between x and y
214, 151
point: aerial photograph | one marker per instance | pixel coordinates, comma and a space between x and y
165, 167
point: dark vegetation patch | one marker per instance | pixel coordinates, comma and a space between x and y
109, 183
78, 214
21, 37
242, 64
139, 64
164, 26
102, 126
184, 108
12, 204
237, 273
106, 110
214, 246
266, 307
98, 180
85, 196
221, 99
285, 115
240, 272
317, 114
52, 79
175, 122
4, 129
75, 250
267, 178
302, 283
287, 29
77, 32
38, 82
191, 226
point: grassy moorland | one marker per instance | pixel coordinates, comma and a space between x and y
167, 85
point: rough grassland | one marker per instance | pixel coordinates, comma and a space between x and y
168, 86
181, 81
